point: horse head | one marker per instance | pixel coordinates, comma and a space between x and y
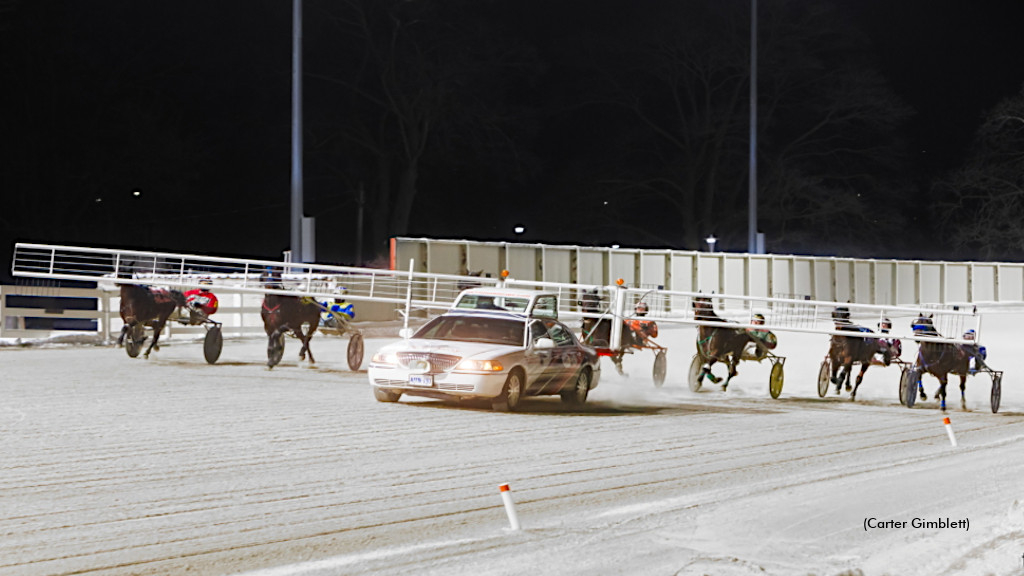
590, 301
841, 315
271, 278
703, 308
924, 325
467, 284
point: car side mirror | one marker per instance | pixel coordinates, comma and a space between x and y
544, 344
406, 333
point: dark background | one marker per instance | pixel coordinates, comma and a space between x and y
593, 122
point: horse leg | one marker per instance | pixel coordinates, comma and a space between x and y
307, 338
617, 360
860, 378
847, 374
732, 362
963, 392
158, 327
706, 371
941, 394
124, 332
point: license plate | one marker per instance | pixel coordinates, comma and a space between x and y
421, 380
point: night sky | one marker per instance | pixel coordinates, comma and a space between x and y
187, 104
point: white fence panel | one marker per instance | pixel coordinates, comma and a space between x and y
556, 264
758, 277
622, 264
521, 262
590, 268
931, 285
734, 278
483, 258
956, 283
1011, 283
983, 283
653, 271
683, 272
709, 273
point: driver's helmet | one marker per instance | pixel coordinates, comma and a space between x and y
885, 325
757, 319
969, 335
641, 308
204, 283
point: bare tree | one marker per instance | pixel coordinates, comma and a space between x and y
829, 153
982, 203
419, 89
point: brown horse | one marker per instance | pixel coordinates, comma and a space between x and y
283, 314
597, 332
717, 344
845, 351
143, 306
941, 359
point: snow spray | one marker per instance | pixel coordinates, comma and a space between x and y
949, 431
510, 507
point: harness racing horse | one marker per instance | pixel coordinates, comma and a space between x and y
143, 306
845, 351
941, 359
716, 344
598, 331
283, 314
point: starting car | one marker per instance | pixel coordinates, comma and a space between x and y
494, 343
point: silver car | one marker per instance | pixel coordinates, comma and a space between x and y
488, 351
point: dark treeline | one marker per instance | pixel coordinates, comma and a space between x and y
586, 122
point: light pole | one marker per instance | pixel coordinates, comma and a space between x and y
296, 196
711, 240
752, 221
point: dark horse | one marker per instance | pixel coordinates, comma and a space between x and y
597, 332
283, 314
717, 343
844, 351
143, 306
941, 359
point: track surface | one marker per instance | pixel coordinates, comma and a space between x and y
173, 466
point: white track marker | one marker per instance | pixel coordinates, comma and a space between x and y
510, 507
949, 431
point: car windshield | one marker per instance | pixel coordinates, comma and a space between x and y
488, 302
506, 331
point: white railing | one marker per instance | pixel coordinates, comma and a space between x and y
238, 313
858, 281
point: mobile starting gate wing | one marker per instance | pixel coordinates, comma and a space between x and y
780, 314
109, 267
438, 291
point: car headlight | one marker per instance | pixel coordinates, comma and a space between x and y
389, 358
480, 366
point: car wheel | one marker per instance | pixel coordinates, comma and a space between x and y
577, 395
385, 395
511, 393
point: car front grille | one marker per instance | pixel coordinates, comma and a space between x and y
438, 362
455, 387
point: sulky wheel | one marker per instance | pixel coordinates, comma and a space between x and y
660, 365
213, 344
823, 377
696, 365
355, 351
997, 390
904, 374
775, 380
909, 386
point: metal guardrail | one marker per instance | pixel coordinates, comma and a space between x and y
421, 290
